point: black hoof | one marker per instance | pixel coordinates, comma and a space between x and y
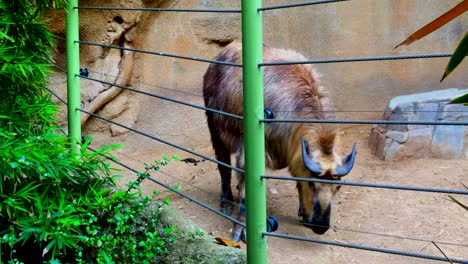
226, 210
239, 233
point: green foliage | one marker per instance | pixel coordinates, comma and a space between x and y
57, 206
461, 51
25, 49
458, 55
461, 100
131, 234
98, 225
464, 206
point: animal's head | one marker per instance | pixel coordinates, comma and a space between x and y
316, 198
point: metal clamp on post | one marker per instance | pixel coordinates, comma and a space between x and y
269, 114
84, 72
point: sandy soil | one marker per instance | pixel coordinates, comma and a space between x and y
424, 216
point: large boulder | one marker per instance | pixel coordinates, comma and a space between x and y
417, 141
201, 250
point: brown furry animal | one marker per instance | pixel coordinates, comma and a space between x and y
291, 91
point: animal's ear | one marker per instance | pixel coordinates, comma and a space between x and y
348, 164
308, 162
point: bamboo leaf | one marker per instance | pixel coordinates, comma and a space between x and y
460, 100
458, 202
458, 55
437, 23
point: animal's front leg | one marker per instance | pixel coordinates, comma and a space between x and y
301, 210
227, 200
239, 231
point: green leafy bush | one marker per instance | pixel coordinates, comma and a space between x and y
131, 234
57, 206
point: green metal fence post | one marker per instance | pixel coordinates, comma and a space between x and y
254, 136
73, 82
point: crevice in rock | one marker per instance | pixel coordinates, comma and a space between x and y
118, 19
123, 77
219, 42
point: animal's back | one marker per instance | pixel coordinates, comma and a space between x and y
291, 91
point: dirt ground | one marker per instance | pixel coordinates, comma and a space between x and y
394, 215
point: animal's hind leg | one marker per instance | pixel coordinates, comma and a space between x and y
223, 154
227, 200
239, 231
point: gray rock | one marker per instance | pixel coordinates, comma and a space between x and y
400, 137
202, 250
403, 112
429, 97
448, 142
453, 112
417, 141
392, 150
382, 143
424, 112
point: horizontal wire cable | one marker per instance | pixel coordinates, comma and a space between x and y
163, 97
368, 248
202, 204
308, 3
163, 141
376, 111
232, 219
58, 37
160, 53
356, 59
152, 9
377, 234
214, 195
368, 184
56, 96
367, 122
281, 111
148, 84
58, 67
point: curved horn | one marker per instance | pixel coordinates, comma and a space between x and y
309, 163
344, 169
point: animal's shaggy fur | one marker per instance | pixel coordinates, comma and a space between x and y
291, 91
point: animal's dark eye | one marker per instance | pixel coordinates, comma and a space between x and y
338, 187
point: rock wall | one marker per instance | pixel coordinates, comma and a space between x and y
346, 29
417, 141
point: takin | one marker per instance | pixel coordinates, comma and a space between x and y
291, 91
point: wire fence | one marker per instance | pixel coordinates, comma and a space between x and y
273, 120
349, 245
367, 184
184, 92
216, 196
190, 10
163, 97
159, 53
361, 247
308, 3
360, 59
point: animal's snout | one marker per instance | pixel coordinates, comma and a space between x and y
320, 220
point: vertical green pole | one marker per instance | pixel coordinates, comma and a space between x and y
73, 82
254, 135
